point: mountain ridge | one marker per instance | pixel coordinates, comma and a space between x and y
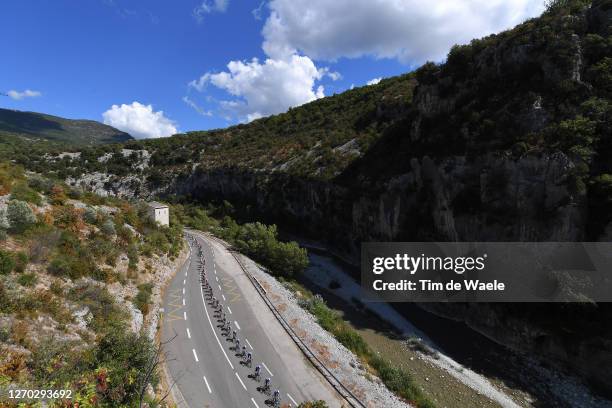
57, 129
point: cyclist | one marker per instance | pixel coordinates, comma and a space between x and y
234, 336
266, 386
257, 372
243, 352
249, 359
237, 346
276, 398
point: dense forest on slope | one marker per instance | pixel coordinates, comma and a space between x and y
40, 126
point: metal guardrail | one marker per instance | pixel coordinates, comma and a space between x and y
348, 396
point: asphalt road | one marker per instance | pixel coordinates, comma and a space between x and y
201, 359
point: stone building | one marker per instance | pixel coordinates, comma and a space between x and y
159, 212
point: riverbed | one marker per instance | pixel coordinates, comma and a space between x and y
454, 365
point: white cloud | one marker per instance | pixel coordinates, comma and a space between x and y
333, 75
296, 32
265, 88
196, 107
139, 120
209, 6
28, 93
200, 83
258, 11
410, 30
373, 81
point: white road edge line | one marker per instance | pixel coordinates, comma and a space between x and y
213, 329
223, 296
195, 355
228, 308
267, 369
253, 399
292, 400
207, 386
188, 333
237, 325
247, 342
240, 379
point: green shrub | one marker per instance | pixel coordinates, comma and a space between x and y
59, 267
90, 215
20, 215
7, 262
132, 253
143, 298
261, 242
27, 279
21, 261
108, 227
4, 223
127, 357
21, 191
40, 184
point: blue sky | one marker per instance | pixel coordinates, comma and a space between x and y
185, 65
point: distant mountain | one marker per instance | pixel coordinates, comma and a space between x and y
56, 129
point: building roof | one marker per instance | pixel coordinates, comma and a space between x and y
155, 204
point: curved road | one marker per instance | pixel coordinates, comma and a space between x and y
200, 357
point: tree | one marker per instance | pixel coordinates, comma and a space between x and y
20, 215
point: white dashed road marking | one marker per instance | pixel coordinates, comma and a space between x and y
195, 355
185, 315
239, 379
254, 403
247, 342
267, 369
188, 333
207, 386
237, 325
228, 308
292, 400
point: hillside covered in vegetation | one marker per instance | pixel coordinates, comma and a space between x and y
78, 272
